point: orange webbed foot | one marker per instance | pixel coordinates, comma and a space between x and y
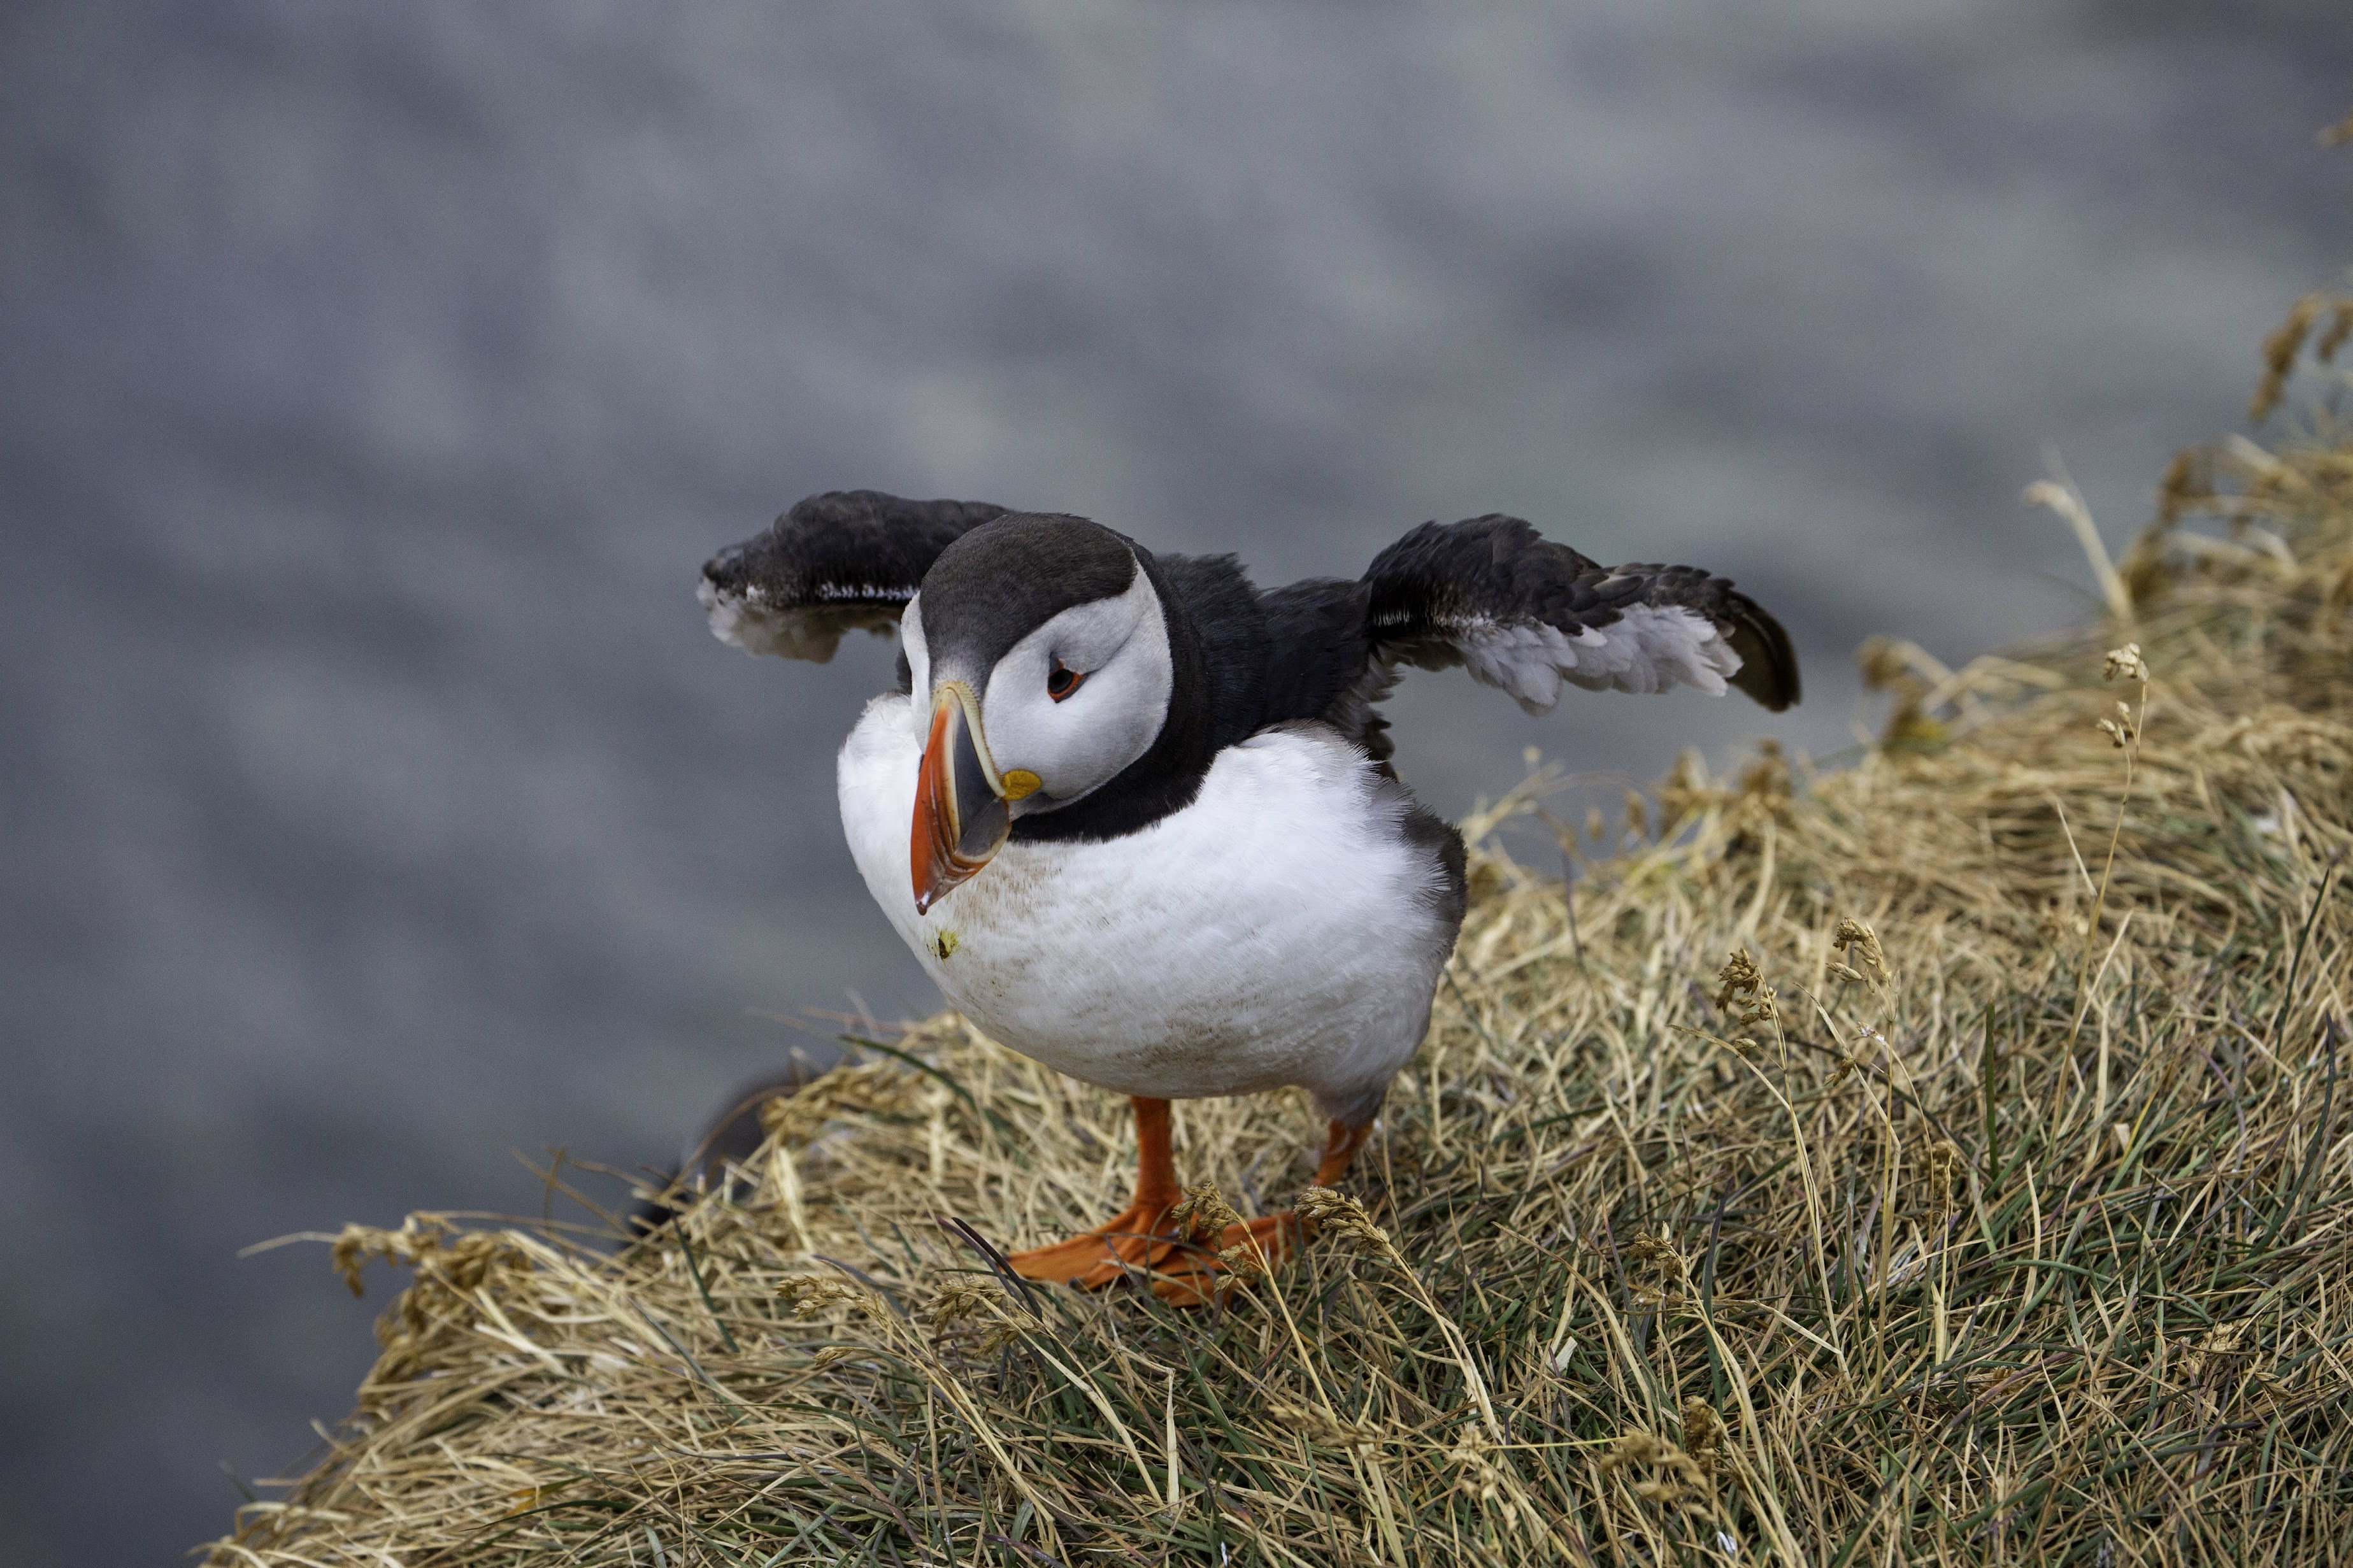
1198, 1275
1165, 1236
1094, 1258
1185, 1271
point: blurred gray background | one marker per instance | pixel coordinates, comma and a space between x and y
374, 803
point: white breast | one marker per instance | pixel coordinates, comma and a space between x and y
1281, 929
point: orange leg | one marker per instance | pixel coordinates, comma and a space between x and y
1340, 1152
1141, 1238
1191, 1279
1130, 1238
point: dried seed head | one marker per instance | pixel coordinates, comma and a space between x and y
1203, 1212
1684, 1478
2215, 1351
2120, 730
1841, 972
2280, 350
1739, 977
1855, 937
358, 1243
1945, 1170
1882, 662
1480, 1476
832, 1355
2124, 664
452, 1266
2340, 328
1244, 1260
1323, 1427
1638, 816
1703, 1428
1742, 992
1345, 1217
1686, 792
2189, 482
1703, 1434
1595, 828
1651, 1247
1767, 779
959, 1299
807, 1294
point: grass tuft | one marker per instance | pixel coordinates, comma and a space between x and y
1944, 1158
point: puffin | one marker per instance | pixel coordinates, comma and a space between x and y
1137, 817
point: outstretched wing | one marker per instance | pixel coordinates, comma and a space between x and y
1525, 614
835, 562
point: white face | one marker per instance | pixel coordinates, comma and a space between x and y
1117, 649
919, 664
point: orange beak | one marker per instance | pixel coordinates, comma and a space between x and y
961, 816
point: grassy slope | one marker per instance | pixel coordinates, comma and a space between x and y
2033, 1248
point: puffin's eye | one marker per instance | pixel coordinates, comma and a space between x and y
1063, 681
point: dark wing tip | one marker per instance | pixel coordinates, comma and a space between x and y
1768, 665
730, 570
837, 562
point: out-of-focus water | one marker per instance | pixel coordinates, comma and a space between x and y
372, 802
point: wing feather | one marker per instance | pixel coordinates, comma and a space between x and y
836, 563
1525, 614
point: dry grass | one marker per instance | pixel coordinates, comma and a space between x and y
1990, 1206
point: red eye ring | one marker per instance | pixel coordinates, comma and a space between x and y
1063, 681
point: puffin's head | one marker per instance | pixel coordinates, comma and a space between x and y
1038, 656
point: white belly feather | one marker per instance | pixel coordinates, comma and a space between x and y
1281, 929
